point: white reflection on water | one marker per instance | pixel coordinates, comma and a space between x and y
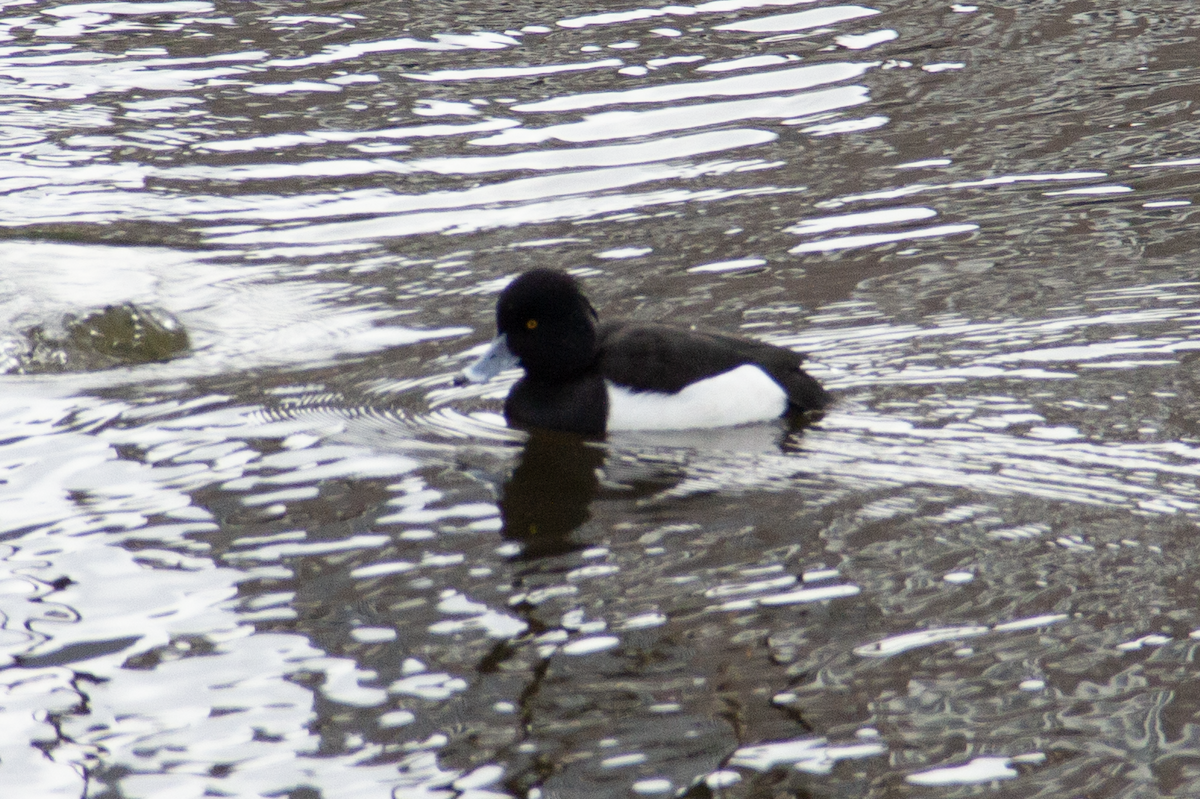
844, 126
591, 645
897, 644
919, 188
713, 7
139, 718
729, 266
475, 616
542, 160
797, 597
865, 41
482, 40
1090, 190
874, 239
863, 219
235, 317
801, 20
847, 353
519, 202
867, 220
747, 62
784, 80
317, 138
75, 184
628, 124
813, 755
1102, 474
118, 529
980, 769
493, 73
63, 77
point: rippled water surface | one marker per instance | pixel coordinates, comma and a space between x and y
255, 543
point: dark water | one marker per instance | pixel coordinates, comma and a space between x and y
255, 542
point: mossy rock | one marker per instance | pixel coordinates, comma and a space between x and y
118, 335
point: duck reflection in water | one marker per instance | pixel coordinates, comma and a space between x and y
550, 493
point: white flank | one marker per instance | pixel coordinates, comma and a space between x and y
740, 396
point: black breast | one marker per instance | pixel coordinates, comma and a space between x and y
576, 406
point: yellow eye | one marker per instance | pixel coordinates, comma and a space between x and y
531, 324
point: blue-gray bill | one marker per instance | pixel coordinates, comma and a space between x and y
497, 358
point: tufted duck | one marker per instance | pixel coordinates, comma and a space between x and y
587, 377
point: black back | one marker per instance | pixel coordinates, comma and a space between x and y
650, 357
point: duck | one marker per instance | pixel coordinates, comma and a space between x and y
590, 377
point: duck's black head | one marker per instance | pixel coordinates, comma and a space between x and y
549, 325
